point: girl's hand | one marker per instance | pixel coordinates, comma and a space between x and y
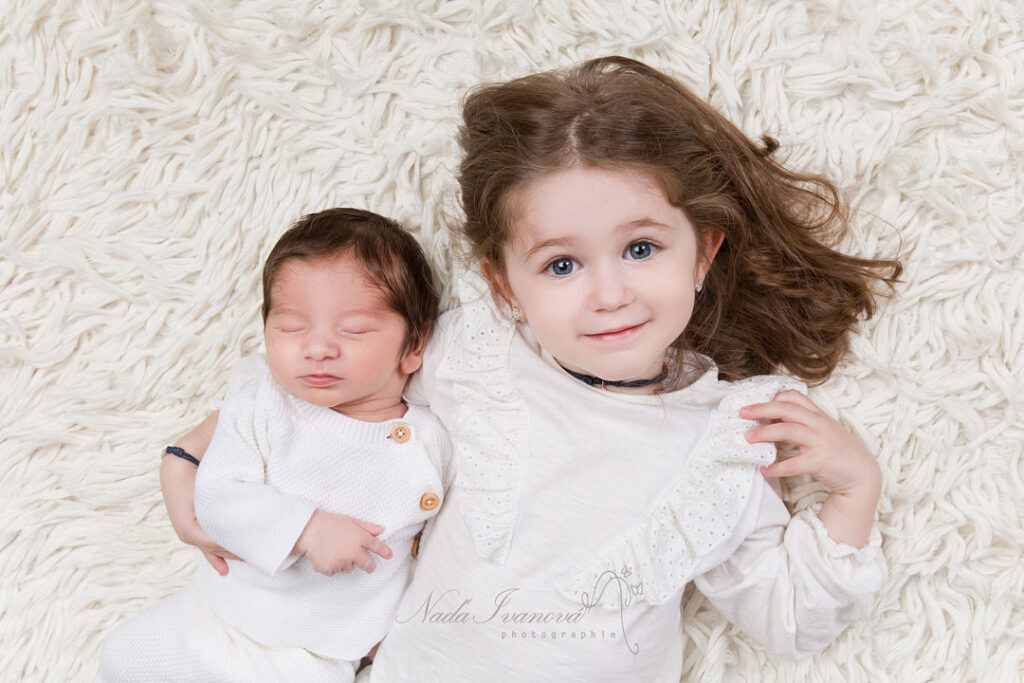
178, 483
830, 454
338, 543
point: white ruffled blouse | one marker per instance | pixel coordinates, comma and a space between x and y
578, 516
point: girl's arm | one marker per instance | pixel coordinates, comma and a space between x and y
789, 585
795, 584
830, 454
178, 481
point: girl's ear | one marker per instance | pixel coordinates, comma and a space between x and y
712, 243
412, 359
499, 284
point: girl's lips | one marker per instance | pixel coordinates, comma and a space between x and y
614, 335
319, 380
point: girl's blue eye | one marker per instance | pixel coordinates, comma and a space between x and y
640, 250
561, 266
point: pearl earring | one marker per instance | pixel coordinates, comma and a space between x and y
516, 315
700, 286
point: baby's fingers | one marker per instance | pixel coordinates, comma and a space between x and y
365, 562
227, 555
375, 545
218, 563
210, 548
369, 527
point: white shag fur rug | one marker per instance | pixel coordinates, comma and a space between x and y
153, 150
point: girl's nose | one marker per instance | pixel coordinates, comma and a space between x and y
610, 290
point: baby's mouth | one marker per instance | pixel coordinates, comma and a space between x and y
319, 380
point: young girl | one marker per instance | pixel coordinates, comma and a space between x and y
641, 266
314, 465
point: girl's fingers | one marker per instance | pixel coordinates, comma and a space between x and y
790, 432
799, 398
785, 468
787, 411
792, 467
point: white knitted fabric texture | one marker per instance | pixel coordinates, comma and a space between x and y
152, 151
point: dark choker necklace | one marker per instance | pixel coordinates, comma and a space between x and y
605, 383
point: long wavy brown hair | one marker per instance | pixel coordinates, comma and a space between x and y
777, 294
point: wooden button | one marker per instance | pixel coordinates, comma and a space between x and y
416, 544
428, 501
401, 433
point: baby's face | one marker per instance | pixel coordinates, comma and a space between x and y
332, 341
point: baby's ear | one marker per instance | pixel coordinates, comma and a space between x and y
412, 359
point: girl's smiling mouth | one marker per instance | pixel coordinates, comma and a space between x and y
616, 334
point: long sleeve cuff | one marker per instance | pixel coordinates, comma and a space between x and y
274, 552
860, 571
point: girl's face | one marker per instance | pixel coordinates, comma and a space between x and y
332, 341
603, 269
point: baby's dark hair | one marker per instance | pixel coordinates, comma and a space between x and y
392, 259
777, 293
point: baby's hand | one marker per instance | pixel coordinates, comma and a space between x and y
337, 543
828, 452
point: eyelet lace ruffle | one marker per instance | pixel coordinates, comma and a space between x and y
695, 514
490, 435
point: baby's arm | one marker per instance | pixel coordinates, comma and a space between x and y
178, 481
178, 476
264, 526
320, 540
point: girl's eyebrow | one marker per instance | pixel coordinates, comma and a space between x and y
629, 225
646, 223
553, 242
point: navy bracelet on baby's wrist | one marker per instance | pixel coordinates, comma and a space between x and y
181, 453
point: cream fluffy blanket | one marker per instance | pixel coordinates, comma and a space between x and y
153, 150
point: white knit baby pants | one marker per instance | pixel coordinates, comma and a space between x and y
181, 639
